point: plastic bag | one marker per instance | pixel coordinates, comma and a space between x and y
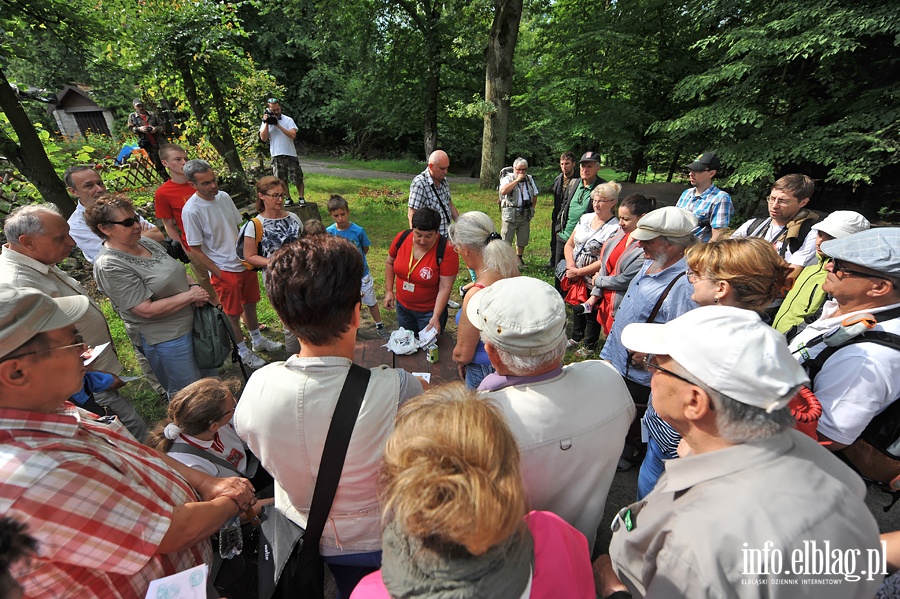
402, 342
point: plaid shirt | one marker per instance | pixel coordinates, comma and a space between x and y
713, 205
424, 193
98, 503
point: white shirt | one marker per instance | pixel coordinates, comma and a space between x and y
858, 382
279, 143
213, 225
226, 446
87, 240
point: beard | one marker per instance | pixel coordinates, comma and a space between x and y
659, 260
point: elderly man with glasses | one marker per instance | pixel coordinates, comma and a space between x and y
860, 380
753, 508
110, 514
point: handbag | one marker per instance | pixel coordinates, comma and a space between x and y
560, 270
289, 562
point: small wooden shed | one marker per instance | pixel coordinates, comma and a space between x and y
76, 113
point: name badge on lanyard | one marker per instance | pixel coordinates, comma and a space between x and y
407, 286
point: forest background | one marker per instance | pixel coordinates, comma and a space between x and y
806, 86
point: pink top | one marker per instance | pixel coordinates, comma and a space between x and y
562, 563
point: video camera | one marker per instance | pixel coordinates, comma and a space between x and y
270, 117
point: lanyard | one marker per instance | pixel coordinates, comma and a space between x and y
412, 266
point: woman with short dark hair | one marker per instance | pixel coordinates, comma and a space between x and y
425, 267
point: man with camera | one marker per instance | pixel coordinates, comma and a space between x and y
147, 127
518, 197
280, 131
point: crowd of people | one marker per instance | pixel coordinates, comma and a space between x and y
493, 486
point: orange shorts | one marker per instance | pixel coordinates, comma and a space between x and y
236, 289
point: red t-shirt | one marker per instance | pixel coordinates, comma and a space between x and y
170, 198
423, 274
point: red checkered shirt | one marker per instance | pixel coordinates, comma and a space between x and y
98, 502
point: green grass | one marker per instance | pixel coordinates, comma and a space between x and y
379, 206
402, 165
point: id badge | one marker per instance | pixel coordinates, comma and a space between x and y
407, 286
645, 432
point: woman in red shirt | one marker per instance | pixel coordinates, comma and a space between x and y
425, 266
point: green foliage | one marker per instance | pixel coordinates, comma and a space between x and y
807, 85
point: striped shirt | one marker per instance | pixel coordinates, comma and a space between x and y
98, 502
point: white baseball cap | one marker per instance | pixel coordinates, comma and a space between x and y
730, 350
841, 223
521, 315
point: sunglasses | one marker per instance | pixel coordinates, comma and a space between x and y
128, 222
838, 266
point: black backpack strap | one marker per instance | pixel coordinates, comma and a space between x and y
332, 463
753, 228
815, 365
235, 354
401, 239
180, 447
441, 247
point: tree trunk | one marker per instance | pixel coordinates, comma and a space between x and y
190, 90
28, 155
498, 87
432, 82
231, 156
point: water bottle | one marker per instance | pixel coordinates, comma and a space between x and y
231, 542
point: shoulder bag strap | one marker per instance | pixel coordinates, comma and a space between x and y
179, 447
662, 298
332, 464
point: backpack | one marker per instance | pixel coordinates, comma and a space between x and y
441, 245
869, 455
792, 243
239, 245
213, 339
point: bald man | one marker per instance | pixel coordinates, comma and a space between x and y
431, 189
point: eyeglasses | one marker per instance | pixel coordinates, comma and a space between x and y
128, 222
648, 365
778, 201
234, 399
838, 266
692, 276
79, 342
275, 196
212, 181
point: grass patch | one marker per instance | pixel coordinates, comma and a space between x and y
379, 206
409, 166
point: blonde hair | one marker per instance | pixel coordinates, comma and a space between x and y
749, 264
193, 409
610, 191
451, 471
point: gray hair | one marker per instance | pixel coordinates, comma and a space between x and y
525, 365
739, 422
67, 176
473, 230
682, 241
520, 162
26, 220
195, 166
